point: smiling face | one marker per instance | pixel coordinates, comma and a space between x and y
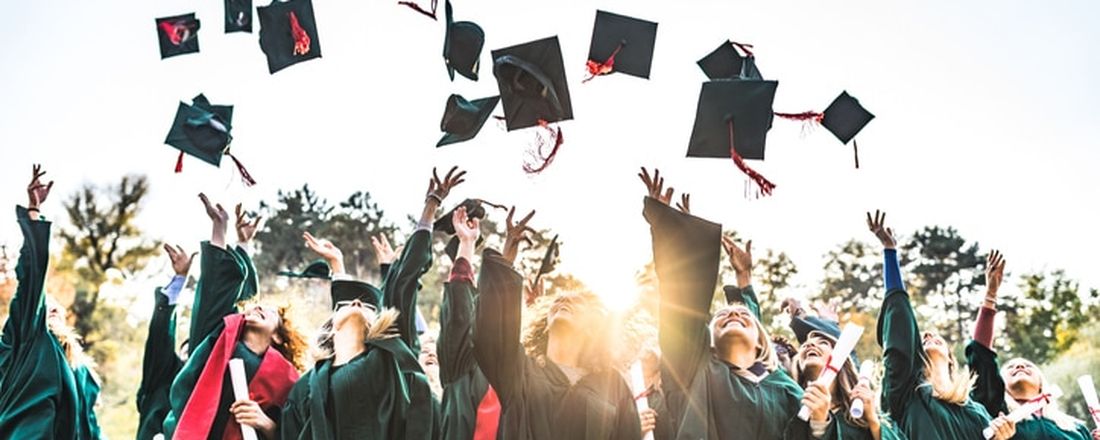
428, 358
55, 313
934, 346
734, 323
1022, 379
814, 353
574, 310
262, 318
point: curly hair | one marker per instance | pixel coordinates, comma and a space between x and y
291, 343
596, 354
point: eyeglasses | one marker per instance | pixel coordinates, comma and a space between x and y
741, 313
356, 303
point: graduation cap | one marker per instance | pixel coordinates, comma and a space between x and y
463, 119
288, 33
316, 269
532, 82
462, 43
844, 118
178, 35
349, 290
475, 208
804, 325
732, 121
238, 16
203, 130
726, 62
621, 44
549, 259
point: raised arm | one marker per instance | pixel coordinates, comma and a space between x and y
741, 261
221, 280
27, 310
989, 389
685, 256
160, 362
897, 327
456, 334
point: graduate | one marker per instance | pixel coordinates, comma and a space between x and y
722, 380
262, 335
161, 363
47, 386
1024, 379
471, 408
555, 379
923, 388
367, 382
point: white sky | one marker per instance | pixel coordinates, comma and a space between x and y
986, 118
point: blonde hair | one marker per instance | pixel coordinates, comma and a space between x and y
596, 355
846, 380
384, 327
956, 389
72, 344
765, 353
1064, 421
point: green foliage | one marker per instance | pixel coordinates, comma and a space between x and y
853, 275
1079, 358
947, 273
1047, 317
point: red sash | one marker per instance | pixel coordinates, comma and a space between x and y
488, 416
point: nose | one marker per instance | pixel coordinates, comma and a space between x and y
356, 303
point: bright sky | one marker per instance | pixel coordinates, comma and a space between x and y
986, 118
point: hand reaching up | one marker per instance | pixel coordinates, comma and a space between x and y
515, 233
885, 235
994, 274
382, 249
181, 262
219, 218
740, 259
246, 230
656, 186
37, 192
438, 189
328, 251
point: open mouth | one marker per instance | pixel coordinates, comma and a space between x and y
811, 352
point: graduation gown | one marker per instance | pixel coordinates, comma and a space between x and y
989, 390
227, 277
158, 368
470, 405
905, 393
382, 393
537, 398
704, 397
40, 395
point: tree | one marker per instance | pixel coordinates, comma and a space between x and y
853, 275
103, 237
947, 273
1048, 316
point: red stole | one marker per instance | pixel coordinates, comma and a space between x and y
269, 387
488, 416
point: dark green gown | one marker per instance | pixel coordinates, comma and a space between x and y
40, 395
382, 393
989, 390
464, 385
703, 396
905, 393
227, 278
537, 398
159, 367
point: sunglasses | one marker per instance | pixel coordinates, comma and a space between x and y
350, 303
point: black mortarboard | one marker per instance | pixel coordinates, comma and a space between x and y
726, 62
178, 35
463, 119
532, 82
549, 260
621, 44
445, 224
745, 103
202, 130
288, 33
316, 269
845, 117
238, 16
462, 43
348, 290
804, 325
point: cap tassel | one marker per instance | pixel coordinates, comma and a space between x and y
179, 163
541, 162
176, 31
417, 8
301, 38
855, 152
599, 69
247, 178
746, 48
765, 185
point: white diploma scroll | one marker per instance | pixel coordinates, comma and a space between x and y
1088, 389
240, 392
866, 371
637, 384
1029, 408
841, 351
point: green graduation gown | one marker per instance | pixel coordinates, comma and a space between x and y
703, 396
40, 395
537, 398
905, 393
158, 368
227, 278
382, 393
989, 390
465, 387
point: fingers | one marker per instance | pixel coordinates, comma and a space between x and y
508, 221
644, 175
205, 201
171, 252
668, 193
459, 217
523, 223
748, 247
435, 177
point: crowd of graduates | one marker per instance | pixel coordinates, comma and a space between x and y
509, 362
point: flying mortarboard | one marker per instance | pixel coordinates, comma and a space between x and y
463, 119
317, 269
462, 44
621, 44
726, 62
203, 130
532, 82
238, 16
844, 118
178, 35
474, 209
732, 121
288, 33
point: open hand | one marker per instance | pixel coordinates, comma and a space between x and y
877, 225
514, 233
181, 262
438, 189
37, 192
684, 205
467, 229
246, 230
740, 259
215, 211
994, 273
328, 251
655, 185
382, 249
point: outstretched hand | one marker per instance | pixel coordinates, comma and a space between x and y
37, 192
181, 262
994, 273
246, 230
740, 259
656, 186
438, 189
885, 235
684, 205
219, 218
514, 233
328, 251
382, 249
467, 228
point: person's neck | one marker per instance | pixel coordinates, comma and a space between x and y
738, 353
256, 342
562, 347
942, 368
1023, 393
348, 342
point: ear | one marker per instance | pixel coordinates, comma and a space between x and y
276, 338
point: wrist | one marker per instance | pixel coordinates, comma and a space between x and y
743, 280
337, 266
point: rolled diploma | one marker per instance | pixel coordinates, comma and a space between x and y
866, 370
637, 383
1088, 389
843, 348
240, 392
1027, 409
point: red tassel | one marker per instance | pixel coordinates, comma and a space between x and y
765, 185
746, 48
855, 151
301, 38
417, 8
815, 117
179, 163
248, 180
541, 162
598, 69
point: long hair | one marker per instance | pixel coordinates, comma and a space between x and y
956, 389
384, 327
846, 380
596, 353
1064, 421
765, 353
71, 343
292, 344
